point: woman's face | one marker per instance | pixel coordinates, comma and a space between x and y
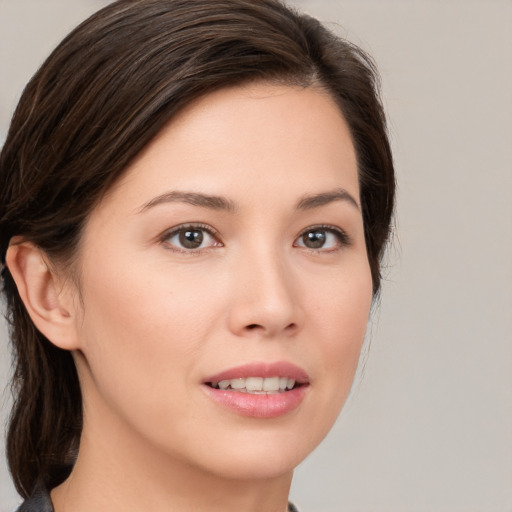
230, 255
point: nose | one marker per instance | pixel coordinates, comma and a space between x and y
266, 300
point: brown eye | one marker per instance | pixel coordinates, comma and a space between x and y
190, 238
323, 237
314, 239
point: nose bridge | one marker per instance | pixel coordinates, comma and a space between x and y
266, 300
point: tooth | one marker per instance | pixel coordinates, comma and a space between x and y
254, 383
237, 383
271, 384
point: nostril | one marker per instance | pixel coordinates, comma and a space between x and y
290, 328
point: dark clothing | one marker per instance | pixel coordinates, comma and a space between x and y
40, 502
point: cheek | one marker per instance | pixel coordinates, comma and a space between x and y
141, 333
137, 306
341, 318
342, 308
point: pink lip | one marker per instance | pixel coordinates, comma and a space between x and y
261, 369
259, 405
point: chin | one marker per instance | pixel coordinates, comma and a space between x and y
264, 465
259, 454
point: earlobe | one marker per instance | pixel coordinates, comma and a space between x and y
49, 304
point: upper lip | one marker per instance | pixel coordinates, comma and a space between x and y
262, 369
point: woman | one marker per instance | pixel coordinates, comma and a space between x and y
195, 200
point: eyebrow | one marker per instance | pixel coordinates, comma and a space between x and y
309, 202
213, 202
193, 198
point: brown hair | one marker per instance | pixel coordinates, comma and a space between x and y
100, 97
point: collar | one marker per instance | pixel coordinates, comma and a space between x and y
40, 501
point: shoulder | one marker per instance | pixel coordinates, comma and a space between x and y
39, 501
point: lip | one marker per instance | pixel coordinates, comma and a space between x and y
262, 369
264, 406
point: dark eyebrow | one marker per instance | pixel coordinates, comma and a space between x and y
316, 200
193, 198
222, 203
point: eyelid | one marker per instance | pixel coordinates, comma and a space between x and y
344, 239
169, 233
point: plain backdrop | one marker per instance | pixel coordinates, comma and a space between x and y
429, 426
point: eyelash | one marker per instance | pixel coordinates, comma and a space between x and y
343, 238
191, 227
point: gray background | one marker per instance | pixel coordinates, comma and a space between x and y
429, 427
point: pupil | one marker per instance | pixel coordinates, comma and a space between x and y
314, 239
191, 239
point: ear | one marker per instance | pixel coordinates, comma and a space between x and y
49, 300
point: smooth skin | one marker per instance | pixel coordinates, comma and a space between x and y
169, 287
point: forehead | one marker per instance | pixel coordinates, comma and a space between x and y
257, 135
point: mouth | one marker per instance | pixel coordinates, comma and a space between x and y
257, 385
259, 390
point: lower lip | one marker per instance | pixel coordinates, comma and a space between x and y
258, 406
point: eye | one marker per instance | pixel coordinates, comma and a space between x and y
323, 237
191, 238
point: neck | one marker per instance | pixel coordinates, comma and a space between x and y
123, 474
